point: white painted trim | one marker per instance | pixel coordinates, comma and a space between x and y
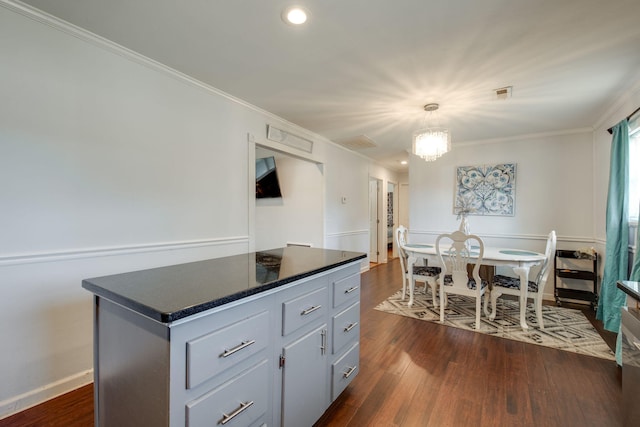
32, 398
523, 137
347, 233
619, 103
251, 191
30, 258
280, 148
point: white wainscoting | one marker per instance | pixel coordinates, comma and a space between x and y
353, 240
47, 317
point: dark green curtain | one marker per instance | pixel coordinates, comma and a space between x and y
616, 265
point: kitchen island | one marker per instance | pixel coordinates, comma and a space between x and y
630, 349
265, 338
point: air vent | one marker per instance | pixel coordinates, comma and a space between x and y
357, 142
286, 138
503, 92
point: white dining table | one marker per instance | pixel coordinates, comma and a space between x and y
519, 260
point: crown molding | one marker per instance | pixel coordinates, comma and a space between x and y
524, 137
619, 104
106, 44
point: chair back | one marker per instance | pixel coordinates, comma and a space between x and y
401, 240
455, 251
549, 253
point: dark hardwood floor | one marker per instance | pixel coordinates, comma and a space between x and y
416, 373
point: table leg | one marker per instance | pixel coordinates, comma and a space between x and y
523, 272
411, 261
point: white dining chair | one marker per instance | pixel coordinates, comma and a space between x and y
511, 285
455, 251
427, 275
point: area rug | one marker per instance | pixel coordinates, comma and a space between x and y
564, 328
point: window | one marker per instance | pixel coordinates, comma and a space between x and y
634, 169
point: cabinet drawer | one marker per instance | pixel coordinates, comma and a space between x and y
304, 309
346, 289
346, 327
344, 370
219, 350
238, 402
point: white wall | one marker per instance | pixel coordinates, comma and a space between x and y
346, 224
554, 191
403, 199
107, 166
109, 163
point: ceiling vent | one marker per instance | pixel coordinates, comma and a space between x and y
357, 142
503, 92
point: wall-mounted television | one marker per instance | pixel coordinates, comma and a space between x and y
267, 185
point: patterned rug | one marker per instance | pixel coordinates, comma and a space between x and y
564, 328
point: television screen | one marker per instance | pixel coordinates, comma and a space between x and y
267, 185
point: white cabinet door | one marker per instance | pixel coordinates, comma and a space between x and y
304, 382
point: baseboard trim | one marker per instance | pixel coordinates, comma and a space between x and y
35, 397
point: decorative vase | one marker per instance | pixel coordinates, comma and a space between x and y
464, 225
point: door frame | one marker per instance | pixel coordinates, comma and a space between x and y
394, 209
375, 226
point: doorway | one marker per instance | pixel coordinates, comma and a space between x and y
392, 219
297, 217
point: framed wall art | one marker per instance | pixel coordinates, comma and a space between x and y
485, 190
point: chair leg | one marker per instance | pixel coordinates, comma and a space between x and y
478, 308
434, 291
495, 294
538, 303
487, 295
442, 303
412, 288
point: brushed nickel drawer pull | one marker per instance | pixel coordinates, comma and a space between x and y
351, 326
323, 347
310, 310
350, 371
354, 288
243, 407
243, 344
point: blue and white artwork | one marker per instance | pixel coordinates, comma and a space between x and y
486, 190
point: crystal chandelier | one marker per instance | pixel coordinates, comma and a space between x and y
430, 142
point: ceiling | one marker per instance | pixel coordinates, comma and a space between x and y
363, 69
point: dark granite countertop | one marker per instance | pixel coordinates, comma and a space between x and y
170, 293
630, 288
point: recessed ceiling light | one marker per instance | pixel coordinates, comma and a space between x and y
295, 15
403, 162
